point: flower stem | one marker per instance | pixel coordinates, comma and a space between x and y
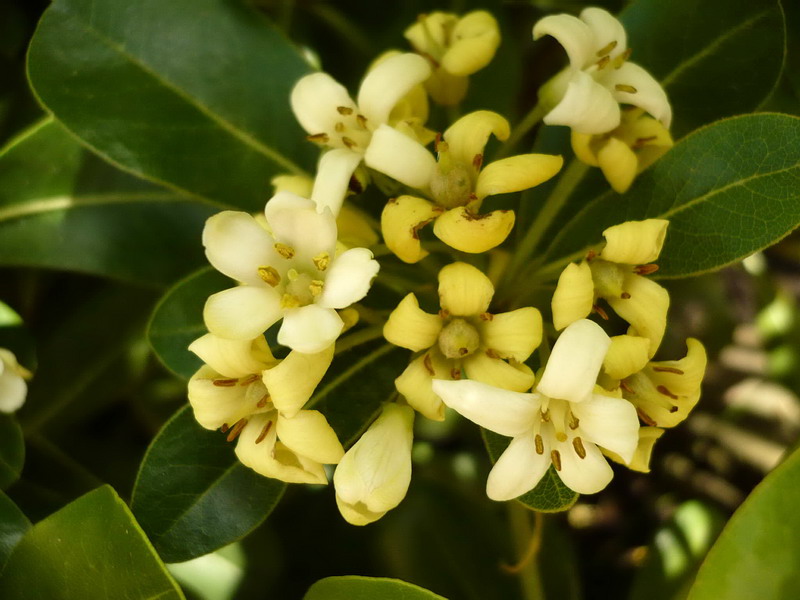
527, 543
520, 131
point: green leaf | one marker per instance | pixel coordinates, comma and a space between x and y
757, 554
193, 496
178, 320
699, 50
550, 495
728, 190
353, 587
13, 525
91, 548
12, 450
206, 112
62, 208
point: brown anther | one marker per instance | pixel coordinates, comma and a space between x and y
645, 418
355, 185
463, 351
236, 429
668, 370
539, 444
285, 251
249, 379
486, 316
427, 362
492, 353
321, 261
579, 449
477, 161
473, 197
645, 269
626, 387
556, 458
269, 275
621, 58
628, 89
442, 146
591, 255
573, 421
444, 313
362, 121
546, 416
625, 296
599, 310
644, 140
601, 64
318, 138
339, 127
455, 374
437, 141
225, 382
264, 432
348, 142
263, 402
607, 48
673, 409
663, 390
224, 428
344, 110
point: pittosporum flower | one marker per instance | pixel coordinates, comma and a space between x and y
565, 421
456, 47
13, 388
374, 475
243, 390
616, 274
456, 185
463, 340
291, 272
333, 120
586, 95
626, 151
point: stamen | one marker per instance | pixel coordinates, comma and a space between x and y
443, 313
224, 428
644, 417
621, 87
463, 351
348, 142
284, 250
546, 416
442, 146
428, 364
236, 429
601, 64
556, 458
318, 138
437, 141
625, 296
574, 421
264, 432
486, 316
644, 140
225, 382
579, 449
663, 390
362, 121
344, 110
477, 161
599, 310
339, 127
539, 444
249, 379
645, 269
492, 353
626, 387
321, 261
621, 58
590, 255
455, 374
270, 275
315, 287
263, 402
607, 48
668, 370
290, 301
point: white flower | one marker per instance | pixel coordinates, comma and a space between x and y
374, 475
290, 272
13, 388
561, 423
325, 110
587, 94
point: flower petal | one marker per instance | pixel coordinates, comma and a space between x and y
498, 373
515, 334
356, 228
13, 391
300, 185
332, 182
236, 245
502, 411
429, 33
415, 383
400, 157
586, 475
645, 308
348, 278
582, 146
574, 35
296, 223
609, 422
574, 295
314, 101
233, 358
401, 220
310, 329
635, 242
411, 327
242, 313
649, 94
388, 82
587, 106
464, 290
216, 405
627, 355
516, 173
619, 164
475, 39
572, 369
467, 137
308, 434
648, 436
606, 29
292, 381
518, 469
464, 230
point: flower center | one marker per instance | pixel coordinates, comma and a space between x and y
301, 289
452, 187
458, 339
608, 278
350, 130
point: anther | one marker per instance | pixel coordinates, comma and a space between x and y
663, 390
601, 64
645, 269
668, 370
263, 402
284, 250
599, 310
626, 387
579, 449
625, 296
321, 261
486, 316
621, 58
463, 351
477, 161
437, 141
644, 417
315, 287
607, 48
539, 444
628, 89
428, 364
224, 428
590, 255
270, 275
348, 142
573, 421
491, 353
444, 313
644, 140
318, 138
362, 121
442, 146
249, 379
455, 374
264, 432
344, 110
546, 416
236, 429
225, 382
339, 127
556, 458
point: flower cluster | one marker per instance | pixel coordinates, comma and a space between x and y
304, 266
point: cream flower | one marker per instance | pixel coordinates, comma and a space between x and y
586, 95
456, 47
564, 421
290, 272
374, 475
456, 185
617, 276
626, 151
325, 110
243, 390
13, 388
463, 340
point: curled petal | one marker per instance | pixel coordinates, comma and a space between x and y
429, 33
518, 469
516, 377
516, 173
387, 83
308, 434
236, 245
619, 164
292, 381
314, 101
648, 436
587, 106
400, 157
411, 327
414, 383
464, 290
515, 334
401, 220
476, 37
582, 147
627, 355
233, 358
573, 34
645, 308
349, 278
215, 405
586, 475
606, 29
332, 182
310, 329
635, 242
574, 295
467, 137
609, 422
464, 230
297, 223
648, 93
242, 313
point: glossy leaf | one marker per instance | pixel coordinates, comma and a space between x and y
728, 190
62, 208
12, 450
13, 525
756, 555
206, 112
92, 546
353, 587
699, 50
178, 320
550, 495
193, 496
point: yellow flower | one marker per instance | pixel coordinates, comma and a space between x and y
13, 388
463, 340
626, 151
456, 47
456, 185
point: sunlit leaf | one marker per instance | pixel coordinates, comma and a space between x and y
366, 588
